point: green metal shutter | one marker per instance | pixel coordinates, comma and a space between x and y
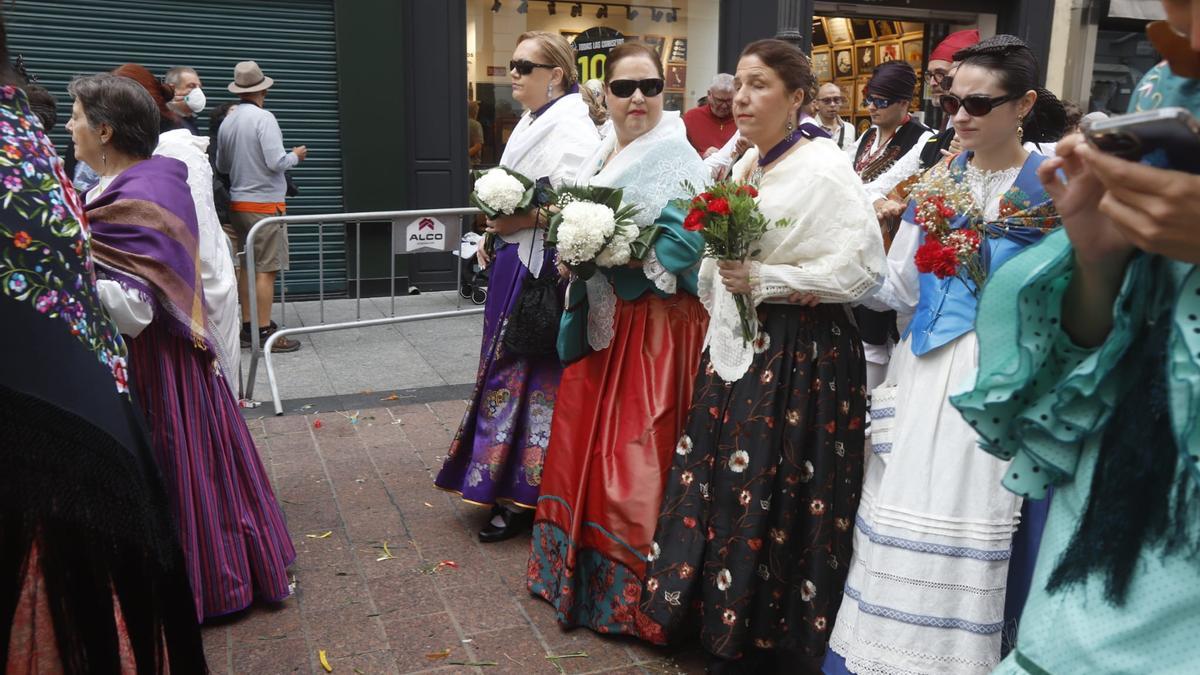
293, 41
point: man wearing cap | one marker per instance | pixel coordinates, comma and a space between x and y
250, 150
893, 134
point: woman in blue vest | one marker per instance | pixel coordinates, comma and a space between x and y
934, 531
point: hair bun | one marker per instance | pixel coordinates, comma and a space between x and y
1047, 122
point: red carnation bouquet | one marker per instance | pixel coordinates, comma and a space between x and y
949, 251
728, 218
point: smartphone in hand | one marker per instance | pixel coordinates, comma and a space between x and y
1166, 138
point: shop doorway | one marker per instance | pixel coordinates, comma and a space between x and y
850, 40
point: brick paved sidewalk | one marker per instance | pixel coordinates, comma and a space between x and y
365, 478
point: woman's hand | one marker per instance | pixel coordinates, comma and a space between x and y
1101, 251
509, 225
564, 271
1096, 238
804, 299
887, 208
1156, 210
482, 257
735, 274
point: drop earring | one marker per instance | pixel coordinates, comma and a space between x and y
1020, 132
550, 90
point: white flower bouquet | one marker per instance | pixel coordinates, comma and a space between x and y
593, 229
503, 192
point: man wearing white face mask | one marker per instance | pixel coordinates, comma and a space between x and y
189, 97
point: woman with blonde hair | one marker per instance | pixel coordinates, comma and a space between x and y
496, 458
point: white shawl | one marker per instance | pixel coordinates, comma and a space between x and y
553, 146
216, 263
831, 247
652, 170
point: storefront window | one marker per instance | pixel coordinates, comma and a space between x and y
846, 51
683, 32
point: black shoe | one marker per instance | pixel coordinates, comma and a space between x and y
514, 524
245, 335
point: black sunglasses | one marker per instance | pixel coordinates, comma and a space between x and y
524, 67
625, 88
976, 105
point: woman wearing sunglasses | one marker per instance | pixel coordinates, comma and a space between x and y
754, 526
633, 337
935, 530
1097, 325
496, 458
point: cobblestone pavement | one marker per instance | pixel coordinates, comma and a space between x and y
390, 577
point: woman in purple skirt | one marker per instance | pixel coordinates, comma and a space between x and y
144, 238
496, 458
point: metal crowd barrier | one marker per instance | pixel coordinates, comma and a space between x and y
392, 219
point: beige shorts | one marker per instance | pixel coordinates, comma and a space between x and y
270, 244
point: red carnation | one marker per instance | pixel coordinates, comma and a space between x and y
719, 207
933, 257
694, 222
747, 190
706, 196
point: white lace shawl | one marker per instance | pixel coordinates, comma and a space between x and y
552, 146
831, 248
216, 263
652, 170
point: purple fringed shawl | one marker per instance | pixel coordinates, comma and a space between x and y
144, 236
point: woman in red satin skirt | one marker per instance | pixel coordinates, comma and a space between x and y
621, 408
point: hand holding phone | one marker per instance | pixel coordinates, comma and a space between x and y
1168, 138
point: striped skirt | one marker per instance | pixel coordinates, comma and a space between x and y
232, 530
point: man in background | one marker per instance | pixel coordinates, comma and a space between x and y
830, 99
250, 151
189, 97
710, 126
474, 134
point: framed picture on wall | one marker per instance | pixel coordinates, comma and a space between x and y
861, 124
843, 62
918, 92
673, 100
679, 49
676, 76
821, 64
820, 36
911, 27
860, 94
913, 52
838, 30
655, 41
861, 29
885, 29
847, 87
888, 51
864, 59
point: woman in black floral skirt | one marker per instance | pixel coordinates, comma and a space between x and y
755, 528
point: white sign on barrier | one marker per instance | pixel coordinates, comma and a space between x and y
425, 233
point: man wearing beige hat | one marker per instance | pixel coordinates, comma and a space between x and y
250, 150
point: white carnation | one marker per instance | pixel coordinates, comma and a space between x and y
617, 252
500, 190
583, 230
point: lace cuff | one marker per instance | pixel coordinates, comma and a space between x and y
831, 283
1038, 397
655, 272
